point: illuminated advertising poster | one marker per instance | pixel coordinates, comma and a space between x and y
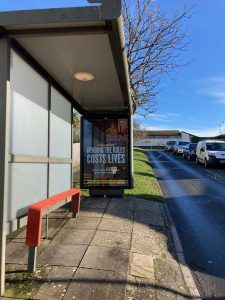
105, 155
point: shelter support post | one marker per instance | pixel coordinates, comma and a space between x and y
4, 138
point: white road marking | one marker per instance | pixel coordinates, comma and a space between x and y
220, 177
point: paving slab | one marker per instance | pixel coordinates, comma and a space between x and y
162, 245
121, 204
96, 284
141, 244
106, 258
140, 289
148, 212
117, 225
54, 225
145, 204
59, 214
56, 283
148, 217
17, 253
62, 255
83, 223
74, 237
127, 200
95, 203
172, 286
91, 212
142, 266
118, 213
110, 239
141, 229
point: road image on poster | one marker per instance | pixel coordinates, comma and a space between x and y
105, 153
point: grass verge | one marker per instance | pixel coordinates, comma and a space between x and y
145, 184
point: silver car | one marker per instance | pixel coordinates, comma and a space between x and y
178, 148
169, 146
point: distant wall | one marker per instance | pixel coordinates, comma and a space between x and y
154, 142
186, 137
76, 153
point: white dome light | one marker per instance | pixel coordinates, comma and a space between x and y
84, 76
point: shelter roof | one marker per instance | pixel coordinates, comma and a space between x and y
62, 42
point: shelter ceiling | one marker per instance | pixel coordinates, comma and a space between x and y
63, 56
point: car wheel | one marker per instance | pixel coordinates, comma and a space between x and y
183, 155
206, 165
196, 160
189, 157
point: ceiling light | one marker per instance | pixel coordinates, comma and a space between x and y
84, 76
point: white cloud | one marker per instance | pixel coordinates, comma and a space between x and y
204, 132
207, 132
214, 87
167, 117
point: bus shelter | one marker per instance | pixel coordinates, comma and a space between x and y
53, 61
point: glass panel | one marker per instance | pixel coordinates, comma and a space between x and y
60, 136
27, 185
60, 178
29, 109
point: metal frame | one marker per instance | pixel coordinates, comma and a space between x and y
130, 155
109, 10
17, 158
4, 138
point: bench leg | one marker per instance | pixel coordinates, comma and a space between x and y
32, 256
46, 227
75, 205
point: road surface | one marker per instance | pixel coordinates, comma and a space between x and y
196, 200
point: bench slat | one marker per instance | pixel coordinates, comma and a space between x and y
48, 202
35, 210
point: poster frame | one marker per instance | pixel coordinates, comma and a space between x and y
130, 163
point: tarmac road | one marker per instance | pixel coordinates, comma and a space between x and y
196, 200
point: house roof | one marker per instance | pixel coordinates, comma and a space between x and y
162, 132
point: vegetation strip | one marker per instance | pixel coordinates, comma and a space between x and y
145, 184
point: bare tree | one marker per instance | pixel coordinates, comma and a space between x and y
154, 44
76, 127
139, 134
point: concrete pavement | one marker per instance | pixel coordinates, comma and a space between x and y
119, 249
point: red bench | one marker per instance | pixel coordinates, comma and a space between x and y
35, 213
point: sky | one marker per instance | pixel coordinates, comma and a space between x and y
193, 100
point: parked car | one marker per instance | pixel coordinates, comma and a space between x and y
210, 153
169, 146
179, 147
190, 151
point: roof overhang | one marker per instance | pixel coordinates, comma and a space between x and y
64, 41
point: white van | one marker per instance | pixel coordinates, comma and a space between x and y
210, 153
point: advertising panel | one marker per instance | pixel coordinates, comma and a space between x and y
105, 153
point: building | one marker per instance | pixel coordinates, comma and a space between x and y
159, 138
